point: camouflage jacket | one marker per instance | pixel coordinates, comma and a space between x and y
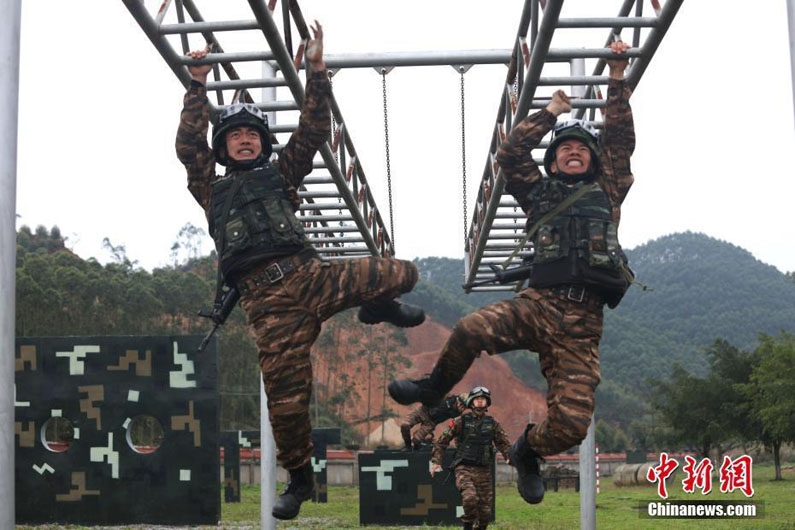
616, 144
295, 160
453, 430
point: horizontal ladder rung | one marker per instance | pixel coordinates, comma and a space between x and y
608, 22
237, 57
320, 240
324, 206
318, 180
565, 54
235, 84
200, 27
492, 288
323, 218
320, 194
342, 250
575, 103
574, 80
330, 229
350, 256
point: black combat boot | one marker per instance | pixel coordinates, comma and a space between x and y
393, 311
526, 461
429, 390
468, 526
301, 487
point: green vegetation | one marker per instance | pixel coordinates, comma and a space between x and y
617, 508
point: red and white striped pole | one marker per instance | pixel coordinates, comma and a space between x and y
596, 457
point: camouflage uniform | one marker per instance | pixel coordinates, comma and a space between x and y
427, 420
474, 482
285, 316
565, 333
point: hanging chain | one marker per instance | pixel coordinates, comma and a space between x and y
388, 167
464, 160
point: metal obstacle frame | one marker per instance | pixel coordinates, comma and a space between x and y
490, 242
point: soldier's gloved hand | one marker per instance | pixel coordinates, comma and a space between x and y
560, 103
617, 66
199, 72
435, 468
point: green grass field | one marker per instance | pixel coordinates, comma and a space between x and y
617, 508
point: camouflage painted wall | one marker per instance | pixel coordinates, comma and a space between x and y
396, 488
102, 386
232, 441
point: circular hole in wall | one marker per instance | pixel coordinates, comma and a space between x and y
57, 434
144, 434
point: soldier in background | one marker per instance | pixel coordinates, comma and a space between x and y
476, 434
286, 290
428, 419
578, 266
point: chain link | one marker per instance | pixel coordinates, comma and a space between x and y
464, 161
388, 167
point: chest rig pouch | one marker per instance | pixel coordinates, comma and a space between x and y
260, 215
579, 245
475, 446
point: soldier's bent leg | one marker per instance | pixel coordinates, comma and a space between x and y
571, 367
469, 494
339, 285
503, 326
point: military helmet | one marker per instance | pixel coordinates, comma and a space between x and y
573, 130
240, 115
479, 391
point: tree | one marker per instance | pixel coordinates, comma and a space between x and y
771, 391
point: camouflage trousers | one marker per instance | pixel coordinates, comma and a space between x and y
477, 495
426, 426
566, 336
285, 317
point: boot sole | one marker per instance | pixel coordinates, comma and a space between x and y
516, 461
369, 320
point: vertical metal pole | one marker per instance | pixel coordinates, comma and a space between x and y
9, 100
791, 18
267, 464
588, 479
577, 68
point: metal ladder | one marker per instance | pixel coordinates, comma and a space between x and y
339, 213
497, 224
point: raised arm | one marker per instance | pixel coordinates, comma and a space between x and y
191, 144
515, 155
618, 141
314, 125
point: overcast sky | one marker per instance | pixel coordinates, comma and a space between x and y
99, 110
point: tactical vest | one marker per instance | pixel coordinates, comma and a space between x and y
580, 244
260, 218
475, 445
445, 410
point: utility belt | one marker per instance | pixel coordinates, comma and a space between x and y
273, 271
576, 293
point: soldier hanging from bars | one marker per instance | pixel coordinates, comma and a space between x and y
286, 290
577, 267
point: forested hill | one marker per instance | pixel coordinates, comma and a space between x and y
702, 288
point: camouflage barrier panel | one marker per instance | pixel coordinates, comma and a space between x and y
116, 430
231, 446
396, 488
321, 437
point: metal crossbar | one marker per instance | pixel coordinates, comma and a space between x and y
486, 240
